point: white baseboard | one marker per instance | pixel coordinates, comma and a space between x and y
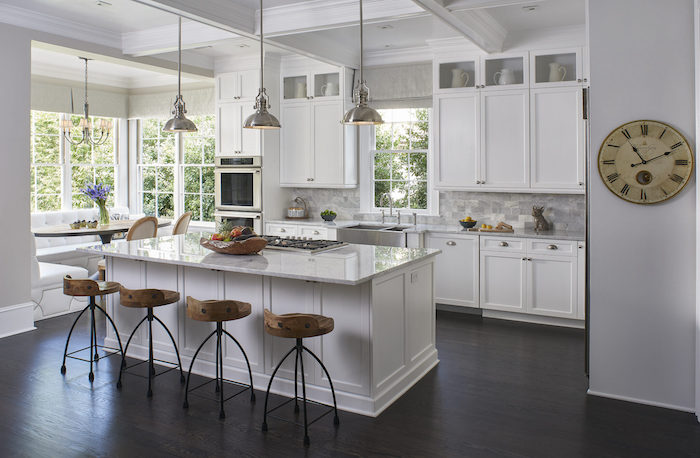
16, 319
536, 319
641, 401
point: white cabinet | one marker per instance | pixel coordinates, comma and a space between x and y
505, 139
557, 138
308, 231
281, 230
534, 276
457, 140
456, 268
316, 150
231, 137
235, 86
557, 67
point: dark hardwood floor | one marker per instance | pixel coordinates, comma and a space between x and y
501, 389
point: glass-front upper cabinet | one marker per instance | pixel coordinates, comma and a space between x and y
558, 67
456, 75
295, 87
326, 85
505, 71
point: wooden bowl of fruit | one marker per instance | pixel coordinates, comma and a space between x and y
239, 240
468, 222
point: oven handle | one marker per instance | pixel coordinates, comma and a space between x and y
237, 215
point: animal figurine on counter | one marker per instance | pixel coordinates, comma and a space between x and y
541, 224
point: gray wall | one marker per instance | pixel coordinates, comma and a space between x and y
642, 257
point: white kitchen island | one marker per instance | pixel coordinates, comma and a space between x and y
381, 299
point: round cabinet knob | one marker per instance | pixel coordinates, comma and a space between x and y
523, 259
580, 183
451, 243
552, 247
503, 244
283, 230
585, 80
316, 233
578, 80
529, 259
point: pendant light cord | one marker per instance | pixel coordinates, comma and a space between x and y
179, 55
261, 46
361, 46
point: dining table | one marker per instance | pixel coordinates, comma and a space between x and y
104, 231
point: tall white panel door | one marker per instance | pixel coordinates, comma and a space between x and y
295, 154
557, 138
456, 268
248, 83
457, 140
251, 139
228, 86
502, 281
228, 128
327, 142
552, 286
505, 139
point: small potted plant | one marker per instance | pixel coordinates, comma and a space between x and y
328, 215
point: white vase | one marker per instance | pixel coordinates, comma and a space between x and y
460, 78
557, 72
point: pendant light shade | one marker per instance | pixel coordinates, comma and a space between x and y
179, 122
361, 113
261, 119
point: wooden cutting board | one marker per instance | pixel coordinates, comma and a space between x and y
500, 227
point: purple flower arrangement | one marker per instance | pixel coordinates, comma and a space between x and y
97, 192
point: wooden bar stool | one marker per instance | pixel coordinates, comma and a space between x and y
148, 299
218, 312
91, 289
298, 326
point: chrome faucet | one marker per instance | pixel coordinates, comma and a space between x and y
386, 195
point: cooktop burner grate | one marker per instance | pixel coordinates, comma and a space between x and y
301, 244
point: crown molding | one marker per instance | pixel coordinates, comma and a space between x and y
222, 14
398, 56
162, 39
29, 19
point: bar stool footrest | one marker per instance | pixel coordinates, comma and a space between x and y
125, 370
107, 354
330, 409
243, 387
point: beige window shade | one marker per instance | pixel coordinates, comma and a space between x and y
55, 96
160, 104
400, 86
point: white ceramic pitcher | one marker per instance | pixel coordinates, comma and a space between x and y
329, 89
300, 91
557, 72
504, 76
460, 78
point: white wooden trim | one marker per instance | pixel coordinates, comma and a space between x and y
696, 13
639, 401
16, 319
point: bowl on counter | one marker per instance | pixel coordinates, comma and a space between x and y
328, 218
467, 224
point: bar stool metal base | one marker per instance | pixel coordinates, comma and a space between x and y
151, 366
219, 380
299, 350
94, 347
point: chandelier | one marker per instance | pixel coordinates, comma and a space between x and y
89, 134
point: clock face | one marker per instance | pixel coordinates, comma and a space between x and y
645, 162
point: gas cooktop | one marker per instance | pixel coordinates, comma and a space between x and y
301, 244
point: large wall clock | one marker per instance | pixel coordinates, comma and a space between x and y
645, 162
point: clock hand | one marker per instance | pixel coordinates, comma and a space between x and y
655, 157
634, 148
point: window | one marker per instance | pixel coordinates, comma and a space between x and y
198, 169
59, 169
176, 171
156, 169
400, 159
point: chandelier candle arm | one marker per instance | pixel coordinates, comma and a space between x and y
261, 119
85, 125
361, 113
179, 122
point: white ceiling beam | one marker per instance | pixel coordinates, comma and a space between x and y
462, 5
318, 15
476, 25
158, 40
326, 50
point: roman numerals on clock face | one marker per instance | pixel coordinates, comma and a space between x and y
645, 161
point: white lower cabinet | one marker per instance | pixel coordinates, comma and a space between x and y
456, 269
552, 286
301, 230
502, 281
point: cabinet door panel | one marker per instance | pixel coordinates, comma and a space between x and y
505, 138
295, 147
557, 137
228, 128
250, 138
457, 140
551, 286
327, 143
456, 269
228, 86
248, 82
502, 281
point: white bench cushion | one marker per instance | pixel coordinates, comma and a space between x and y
52, 274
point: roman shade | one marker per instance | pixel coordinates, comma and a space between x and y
400, 86
160, 104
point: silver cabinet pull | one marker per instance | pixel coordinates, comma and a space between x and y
523, 259
451, 243
283, 230
316, 232
503, 243
552, 247
529, 259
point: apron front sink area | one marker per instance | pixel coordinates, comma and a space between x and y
374, 234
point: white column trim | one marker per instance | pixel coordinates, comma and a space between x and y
16, 319
696, 14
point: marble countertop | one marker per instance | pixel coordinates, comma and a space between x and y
349, 265
447, 228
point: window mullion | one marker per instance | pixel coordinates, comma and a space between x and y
66, 170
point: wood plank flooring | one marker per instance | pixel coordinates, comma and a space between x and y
501, 390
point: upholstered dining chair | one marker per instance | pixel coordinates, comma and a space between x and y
144, 228
182, 223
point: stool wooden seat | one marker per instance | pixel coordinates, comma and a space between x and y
90, 288
214, 311
218, 312
148, 299
299, 326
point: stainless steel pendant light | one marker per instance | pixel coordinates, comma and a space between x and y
261, 119
361, 113
97, 134
179, 122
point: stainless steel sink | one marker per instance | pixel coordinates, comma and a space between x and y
374, 234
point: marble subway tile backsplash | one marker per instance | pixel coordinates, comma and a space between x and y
564, 211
